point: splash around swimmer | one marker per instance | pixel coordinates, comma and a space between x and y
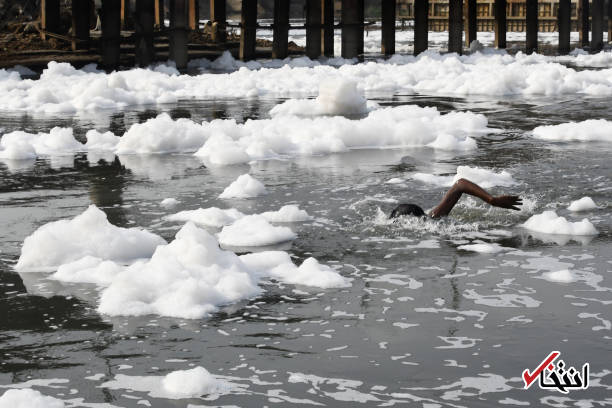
451, 198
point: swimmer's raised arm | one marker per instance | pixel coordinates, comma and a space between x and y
465, 186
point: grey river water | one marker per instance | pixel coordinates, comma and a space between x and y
424, 324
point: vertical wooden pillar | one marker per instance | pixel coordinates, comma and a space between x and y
49, 16
248, 29
352, 28
387, 45
194, 15
564, 23
455, 26
471, 22
218, 19
143, 26
111, 33
80, 24
421, 22
313, 28
531, 18
126, 15
583, 22
597, 25
159, 14
500, 23
178, 32
280, 29
327, 32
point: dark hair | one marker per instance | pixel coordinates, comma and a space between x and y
407, 209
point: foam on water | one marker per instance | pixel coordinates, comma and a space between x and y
253, 231
591, 130
583, 204
550, 223
484, 177
245, 186
208, 217
28, 398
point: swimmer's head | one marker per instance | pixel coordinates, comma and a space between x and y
407, 209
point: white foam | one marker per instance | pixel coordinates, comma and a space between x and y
550, 223
336, 97
169, 202
101, 141
278, 265
565, 276
88, 269
484, 177
583, 204
253, 231
179, 384
222, 150
20, 145
193, 383
590, 130
89, 233
245, 186
484, 248
28, 398
187, 278
61, 88
208, 217
287, 213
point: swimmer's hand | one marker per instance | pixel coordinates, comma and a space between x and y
507, 201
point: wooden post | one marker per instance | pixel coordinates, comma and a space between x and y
111, 33
49, 16
159, 14
597, 25
218, 19
455, 26
194, 15
564, 17
387, 45
80, 24
178, 32
126, 15
143, 26
352, 28
583, 22
327, 32
531, 17
313, 28
280, 29
471, 22
500, 23
248, 29
421, 29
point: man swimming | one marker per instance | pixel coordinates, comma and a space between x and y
453, 195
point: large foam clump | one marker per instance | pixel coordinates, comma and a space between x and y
87, 234
245, 186
61, 88
591, 130
287, 213
583, 204
484, 177
550, 223
253, 231
28, 398
187, 278
20, 145
339, 97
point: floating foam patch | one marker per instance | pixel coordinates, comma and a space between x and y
583, 204
87, 234
245, 186
484, 177
208, 217
591, 130
28, 398
550, 223
564, 276
287, 213
253, 231
169, 202
20, 145
484, 248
